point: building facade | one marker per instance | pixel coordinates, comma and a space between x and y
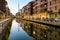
4, 9
42, 9
47, 5
27, 10
54, 6
3, 4
39, 8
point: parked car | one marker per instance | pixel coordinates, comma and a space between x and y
51, 19
57, 19
45, 19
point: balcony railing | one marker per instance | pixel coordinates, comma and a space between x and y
54, 5
43, 2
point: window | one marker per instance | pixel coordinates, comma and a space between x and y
45, 5
50, 8
41, 0
36, 0
55, 7
55, 15
55, 1
45, 0
50, 3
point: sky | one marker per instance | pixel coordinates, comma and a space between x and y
13, 5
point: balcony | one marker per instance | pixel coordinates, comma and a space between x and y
43, 2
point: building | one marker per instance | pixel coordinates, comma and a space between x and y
48, 5
54, 6
5, 9
22, 12
3, 4
51, 6
18, 14
40, 5
27, 10
41, 9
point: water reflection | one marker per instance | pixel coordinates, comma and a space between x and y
17, 33
40, 31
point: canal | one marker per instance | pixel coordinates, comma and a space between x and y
26, 30
17, 33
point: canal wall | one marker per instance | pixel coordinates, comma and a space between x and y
3, 27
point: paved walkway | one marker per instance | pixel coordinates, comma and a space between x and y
2, 23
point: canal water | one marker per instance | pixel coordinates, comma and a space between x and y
27, 30
40, 31
17, 33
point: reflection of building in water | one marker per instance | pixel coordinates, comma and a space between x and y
28, 28
41, 32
